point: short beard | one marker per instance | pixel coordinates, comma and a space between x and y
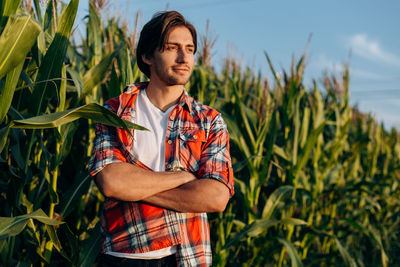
171, 80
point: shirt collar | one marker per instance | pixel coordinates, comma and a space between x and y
184, 100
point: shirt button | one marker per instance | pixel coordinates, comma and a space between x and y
169, 142
169, 166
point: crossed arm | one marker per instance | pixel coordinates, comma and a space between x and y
180, 191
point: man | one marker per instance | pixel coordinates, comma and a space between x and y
160, 184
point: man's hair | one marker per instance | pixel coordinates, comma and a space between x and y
155, 34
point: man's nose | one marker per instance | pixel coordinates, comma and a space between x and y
182, 56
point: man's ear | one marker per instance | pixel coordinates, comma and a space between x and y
146, 60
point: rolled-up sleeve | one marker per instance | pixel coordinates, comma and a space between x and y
215, 161
106, 147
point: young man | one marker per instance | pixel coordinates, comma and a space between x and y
160, 184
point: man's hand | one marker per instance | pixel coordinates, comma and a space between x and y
129, 182
200, 195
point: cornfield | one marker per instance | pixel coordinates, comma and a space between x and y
316, 181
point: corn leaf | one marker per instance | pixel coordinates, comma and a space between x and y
90, 111
305, 152
129, 72
38, 11
280, 152
96, 74
344, 253
241, 164
294, 256
16, 40
63, 89
51, 231
274, 73
53, 61
3, 136
236, 135
377, 237
78, 191
8, 90
91, 248
11, 226
8, 8
304, 126
274, 199
260, 226
94, 35
41, 217
66, 134
77, 80
253, 230
69, 243
293, 221
243, 116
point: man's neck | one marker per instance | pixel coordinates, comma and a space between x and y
163, 97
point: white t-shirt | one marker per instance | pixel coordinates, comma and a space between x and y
149, 148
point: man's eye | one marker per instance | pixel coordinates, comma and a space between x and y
172, 47
190, 50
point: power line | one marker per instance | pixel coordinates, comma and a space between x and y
199, 5
217, 3
376, 91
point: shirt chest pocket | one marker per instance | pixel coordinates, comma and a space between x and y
191, 143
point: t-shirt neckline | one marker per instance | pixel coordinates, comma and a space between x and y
147, 100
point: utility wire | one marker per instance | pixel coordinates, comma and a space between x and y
376, 91
199, 5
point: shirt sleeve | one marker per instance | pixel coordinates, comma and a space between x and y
215, 161
106, 145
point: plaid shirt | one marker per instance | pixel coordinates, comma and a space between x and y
197, 141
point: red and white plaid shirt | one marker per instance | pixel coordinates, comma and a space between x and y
197, 141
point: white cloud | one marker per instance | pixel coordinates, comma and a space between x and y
325, 63
370, 49
383, 108
359, 73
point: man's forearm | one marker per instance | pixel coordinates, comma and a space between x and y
128, 182
200, 195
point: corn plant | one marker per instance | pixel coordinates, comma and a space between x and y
47, 84
317, 181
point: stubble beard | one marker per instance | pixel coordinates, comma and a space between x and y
176, 81
171, 79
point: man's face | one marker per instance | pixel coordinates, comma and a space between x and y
173, 64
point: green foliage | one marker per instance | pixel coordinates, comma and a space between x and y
16, 40
14, 225
53, 60
89, 111
316, 181
302, 155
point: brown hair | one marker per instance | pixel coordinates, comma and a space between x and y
155, 33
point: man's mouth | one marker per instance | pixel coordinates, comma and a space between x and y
180, 69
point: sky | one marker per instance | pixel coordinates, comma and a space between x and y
364, 34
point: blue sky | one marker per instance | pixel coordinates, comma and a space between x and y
369, 29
